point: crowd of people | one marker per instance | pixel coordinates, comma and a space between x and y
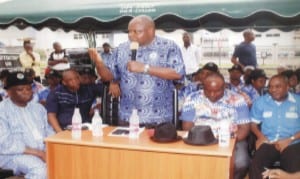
255, 104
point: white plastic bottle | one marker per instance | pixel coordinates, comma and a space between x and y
76, 124
97, 125
224, 133
134, 124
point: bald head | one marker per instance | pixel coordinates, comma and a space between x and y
214, 86
214, 78
143, 19
141, 29
57, 46
70, 79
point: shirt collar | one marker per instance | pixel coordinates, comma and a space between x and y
152, 45
221, 100
290, 98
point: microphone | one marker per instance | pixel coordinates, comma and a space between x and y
133, 47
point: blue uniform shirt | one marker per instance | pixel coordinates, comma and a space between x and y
278, 120
251, 92
150, 95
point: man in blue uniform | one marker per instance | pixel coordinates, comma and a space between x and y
278, 112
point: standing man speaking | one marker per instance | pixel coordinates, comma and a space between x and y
147, 83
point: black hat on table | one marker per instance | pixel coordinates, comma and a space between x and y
165, 132
15, 79
200, 135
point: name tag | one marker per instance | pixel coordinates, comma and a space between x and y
267, 114
291, 115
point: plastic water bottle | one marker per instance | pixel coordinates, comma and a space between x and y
76, 124
224, 133
97, 125
134, 125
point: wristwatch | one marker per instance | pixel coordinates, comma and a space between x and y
292, 138
146, 68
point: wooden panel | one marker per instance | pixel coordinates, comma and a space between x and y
75, 161
119, 157
143, 143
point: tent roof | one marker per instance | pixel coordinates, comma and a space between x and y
99, 15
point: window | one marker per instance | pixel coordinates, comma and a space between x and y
77, 36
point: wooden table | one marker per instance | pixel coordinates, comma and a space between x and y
122, 158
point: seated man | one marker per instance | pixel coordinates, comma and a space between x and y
278, 113
213, 104
87, 76
197, 82
53, 80
37, 87
23, 127
3, 75
62, 101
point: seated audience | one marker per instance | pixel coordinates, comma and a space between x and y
255, 84
53, 80
37, 87
3, 76
87, 76
247, 71
23, 127
297, 71
62, 101
235, 83
278, 113
213, 104
293, 79
197, 82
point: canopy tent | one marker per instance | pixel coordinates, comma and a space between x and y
191, 15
